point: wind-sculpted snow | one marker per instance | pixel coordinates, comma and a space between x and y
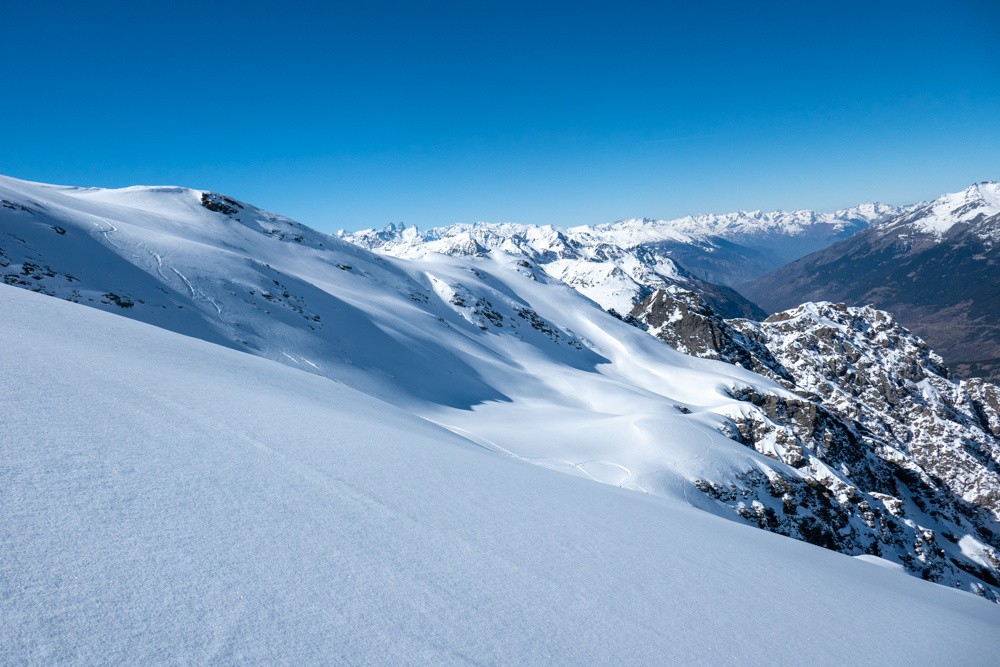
164, 500
488, 344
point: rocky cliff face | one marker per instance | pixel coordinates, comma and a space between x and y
688, 323
890, 456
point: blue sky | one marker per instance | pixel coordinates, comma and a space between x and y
356, 115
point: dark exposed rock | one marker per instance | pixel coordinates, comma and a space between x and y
220, 203
120, 301
688, 324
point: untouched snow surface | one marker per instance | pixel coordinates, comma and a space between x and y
164, 499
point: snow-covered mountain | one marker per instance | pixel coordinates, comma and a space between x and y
723, 249
164, 500
770, 238
938, 219
487, 344
935, 267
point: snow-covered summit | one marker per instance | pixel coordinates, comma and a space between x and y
615, 276
743, 224
619, 264
934, 267
975, 204
467, 239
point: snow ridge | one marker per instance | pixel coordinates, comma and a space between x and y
975, 204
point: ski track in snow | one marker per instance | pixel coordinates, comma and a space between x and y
200, 295
159, 266
194, 295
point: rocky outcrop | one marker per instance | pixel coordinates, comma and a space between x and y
886, 454
687, 323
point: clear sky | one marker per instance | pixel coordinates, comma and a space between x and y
356, 115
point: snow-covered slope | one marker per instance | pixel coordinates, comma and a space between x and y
488, 345
483, 344
164, 500
968, 207
786, 235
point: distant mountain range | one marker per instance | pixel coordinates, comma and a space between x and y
619, 264
724, 249
616, 276
933, 265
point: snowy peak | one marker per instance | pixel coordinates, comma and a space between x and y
614, 276
872, 212
184, 212
975, 204
619, 264
534, 242
934, 267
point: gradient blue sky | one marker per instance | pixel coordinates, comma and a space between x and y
355, 115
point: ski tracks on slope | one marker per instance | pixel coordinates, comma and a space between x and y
198, 295
105, 227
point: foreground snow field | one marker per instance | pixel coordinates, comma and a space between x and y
164, 499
